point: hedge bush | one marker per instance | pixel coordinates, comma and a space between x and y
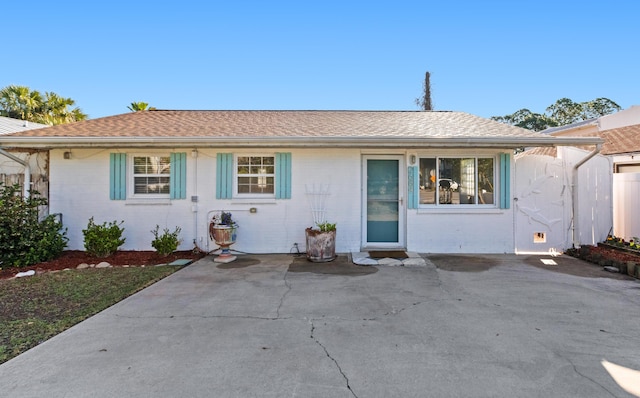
103, 240
25, 237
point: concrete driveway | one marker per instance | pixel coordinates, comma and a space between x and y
277, 326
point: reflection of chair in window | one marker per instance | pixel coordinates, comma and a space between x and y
445, 191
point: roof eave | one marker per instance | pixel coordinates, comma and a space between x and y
319, 142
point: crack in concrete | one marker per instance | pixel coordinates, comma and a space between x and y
346, 379
286, 282
575, 369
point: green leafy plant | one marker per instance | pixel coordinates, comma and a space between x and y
167, 242
326, 226
25, 237
103, 240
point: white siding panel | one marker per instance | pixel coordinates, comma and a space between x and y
595, 207
626, 198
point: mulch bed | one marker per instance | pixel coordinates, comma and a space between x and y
70, 259
607, 255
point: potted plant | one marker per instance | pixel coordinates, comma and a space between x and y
321, 242
222, 230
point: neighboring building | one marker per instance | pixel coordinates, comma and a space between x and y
621, 135
420, 180
9, 125
12, 165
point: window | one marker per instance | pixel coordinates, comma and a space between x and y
151, 175
457, 181
147, 176
255, 175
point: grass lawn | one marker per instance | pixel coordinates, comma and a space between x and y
34, 309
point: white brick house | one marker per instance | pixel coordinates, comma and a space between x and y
422, 181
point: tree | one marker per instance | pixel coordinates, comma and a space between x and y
138, 106
424, 102
564, 111
526, 119
20, 102
600, 107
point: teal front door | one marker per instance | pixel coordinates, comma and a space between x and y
383, 224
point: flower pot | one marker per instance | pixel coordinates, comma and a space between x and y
224, 236
321, 246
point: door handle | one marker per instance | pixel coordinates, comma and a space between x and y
400, 200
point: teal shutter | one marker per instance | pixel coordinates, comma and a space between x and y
413, 188
118, 176
283, 175
505, 180
178, 188
224, 176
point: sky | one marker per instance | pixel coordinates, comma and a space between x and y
488, 58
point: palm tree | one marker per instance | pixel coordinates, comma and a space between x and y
20, 102
138, 106
56, 110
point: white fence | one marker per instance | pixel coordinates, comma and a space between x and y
626, 205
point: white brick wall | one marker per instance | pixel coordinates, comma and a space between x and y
80, 189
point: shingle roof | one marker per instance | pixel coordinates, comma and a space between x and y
616, 141
263, 126
176, 123
621, 140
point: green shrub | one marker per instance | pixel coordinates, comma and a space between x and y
326, 226
25, 238
103, 240
166, 243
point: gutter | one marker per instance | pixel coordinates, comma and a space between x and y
27, 171
296, 142
574, 194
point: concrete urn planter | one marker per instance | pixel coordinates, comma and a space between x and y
321, 245
224, 236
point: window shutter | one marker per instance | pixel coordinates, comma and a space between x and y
505, 180
283, 175
413, 188
178, 189
118, 176
224, 176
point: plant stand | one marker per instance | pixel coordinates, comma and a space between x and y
224, 236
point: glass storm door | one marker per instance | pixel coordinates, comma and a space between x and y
383, 221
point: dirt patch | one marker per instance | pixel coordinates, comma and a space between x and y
72, 258
464, 263
342, 265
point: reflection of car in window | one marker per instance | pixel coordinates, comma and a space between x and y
448, 183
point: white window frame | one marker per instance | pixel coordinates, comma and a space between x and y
476, 205
132, 176
236, 176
